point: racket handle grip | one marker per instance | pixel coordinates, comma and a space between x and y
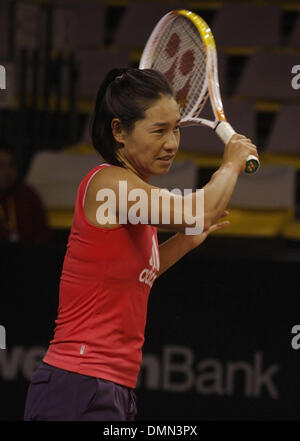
252, 165
225, 132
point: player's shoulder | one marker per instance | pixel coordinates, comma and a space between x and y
112, 172
108, 176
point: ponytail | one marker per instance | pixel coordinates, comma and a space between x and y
101, 133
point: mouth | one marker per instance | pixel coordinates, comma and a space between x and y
167, 158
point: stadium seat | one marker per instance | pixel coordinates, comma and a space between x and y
64, 35
262, 205
77, 26
138, 22
283, 143
247, 24
272, 187
94, 65
56, 176
29, 18
285, 131
268, 76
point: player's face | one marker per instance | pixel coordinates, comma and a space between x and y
152, 144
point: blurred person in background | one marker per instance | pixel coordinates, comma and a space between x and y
22, 214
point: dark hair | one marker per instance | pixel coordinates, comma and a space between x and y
124, 94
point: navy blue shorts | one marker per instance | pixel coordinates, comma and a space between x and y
58, 395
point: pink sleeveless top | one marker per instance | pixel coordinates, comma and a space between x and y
104, 288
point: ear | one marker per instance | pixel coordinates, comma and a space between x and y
117, 130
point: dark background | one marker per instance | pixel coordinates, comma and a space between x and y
218, 302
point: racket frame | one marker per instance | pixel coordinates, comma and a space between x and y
211, 85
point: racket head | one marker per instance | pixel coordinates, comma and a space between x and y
182, 47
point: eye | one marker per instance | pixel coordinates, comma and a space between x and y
176, 129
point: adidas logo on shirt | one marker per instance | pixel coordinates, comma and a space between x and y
149, 275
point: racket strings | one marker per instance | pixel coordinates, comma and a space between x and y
181, 55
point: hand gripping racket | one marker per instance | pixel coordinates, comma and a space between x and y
182, 47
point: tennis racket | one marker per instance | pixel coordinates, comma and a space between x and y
182, 47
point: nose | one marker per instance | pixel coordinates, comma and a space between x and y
172, 142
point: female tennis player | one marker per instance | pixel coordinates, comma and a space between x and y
90, 369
